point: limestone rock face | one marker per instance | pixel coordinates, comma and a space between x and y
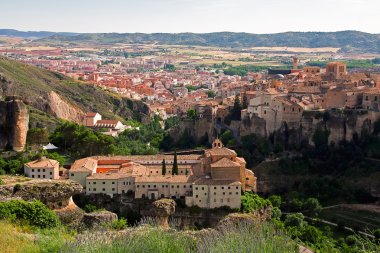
100, 218
63, 110
161, 211
247, 218
14, 120
54, 194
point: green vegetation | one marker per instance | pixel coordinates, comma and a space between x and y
163, 167
252, 202
143, 141
350, 64
175, 165
119, 224
348, 41
81, 141
242, 237
32, 213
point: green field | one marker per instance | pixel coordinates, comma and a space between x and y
355, 219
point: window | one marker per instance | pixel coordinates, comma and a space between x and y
205, 194
237, 193
113, 182
196, 188
214, 200
138, 186
32, 176
39, 170
214, 193
200, 201
196, 196
72, 174
32, 170
172, 186
51, 173
191, 186
94, 189
38, 176
113, 189
229, 187
43, 170
224, 193
43, 176
154, 186
237, 187
184, 186
104, 189
203, 188
89, 182
230, 193
228, 200
143, 186
375, 98
177, 186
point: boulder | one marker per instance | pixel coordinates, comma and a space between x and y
161, 211
99, 219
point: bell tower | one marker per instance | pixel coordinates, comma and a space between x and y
217, 143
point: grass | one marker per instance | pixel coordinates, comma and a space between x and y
23, 238
355, 219
242, 237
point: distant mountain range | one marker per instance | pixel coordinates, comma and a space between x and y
32, 34
348, 41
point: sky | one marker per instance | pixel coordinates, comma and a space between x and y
201, 16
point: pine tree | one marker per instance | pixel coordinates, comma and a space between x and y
163, 167
175, 164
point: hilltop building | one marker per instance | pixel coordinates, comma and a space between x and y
214, 179
43, 168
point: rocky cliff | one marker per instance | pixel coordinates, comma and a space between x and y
14, 119
55, 194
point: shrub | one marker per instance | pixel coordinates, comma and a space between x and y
119, 224
16, 188
295, 220
89, 208
312, 205
276, 213
34, 213
252, 202
275, 200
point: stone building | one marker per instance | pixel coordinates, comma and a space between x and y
43, 168
211, 180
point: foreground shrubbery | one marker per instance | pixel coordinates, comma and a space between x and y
34, 213
242, 237
251, 202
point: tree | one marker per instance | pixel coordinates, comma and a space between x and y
163, 167
192, 114
295, 220
236, 110
175, 164
313, 206
245, 102
37, 136
321, 139
275, 200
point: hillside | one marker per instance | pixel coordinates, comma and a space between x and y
52, 96
30, 34
348, 41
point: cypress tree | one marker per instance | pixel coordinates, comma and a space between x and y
163, 167
175, 164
